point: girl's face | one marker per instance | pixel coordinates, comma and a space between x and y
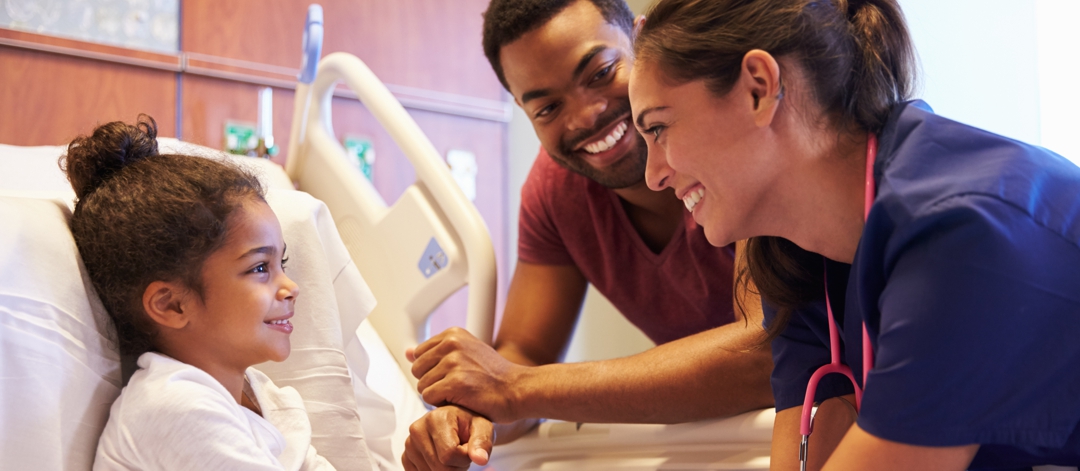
709, 149
243, 318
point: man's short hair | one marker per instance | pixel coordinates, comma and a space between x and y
505, 21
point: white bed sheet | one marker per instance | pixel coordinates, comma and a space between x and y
58, 371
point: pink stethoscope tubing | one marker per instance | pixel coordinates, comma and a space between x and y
835, 365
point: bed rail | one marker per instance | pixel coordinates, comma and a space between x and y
414, 254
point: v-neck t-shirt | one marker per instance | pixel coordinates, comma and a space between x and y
569, 219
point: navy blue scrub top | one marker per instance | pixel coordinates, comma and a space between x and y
968, 277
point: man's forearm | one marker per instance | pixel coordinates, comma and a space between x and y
720, 372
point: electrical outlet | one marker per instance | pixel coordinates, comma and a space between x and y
463, 168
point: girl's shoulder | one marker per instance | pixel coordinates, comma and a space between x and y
166, 389
172, 412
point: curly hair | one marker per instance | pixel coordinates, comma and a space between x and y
141, 217
506, 21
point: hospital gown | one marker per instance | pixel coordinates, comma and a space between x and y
175, 416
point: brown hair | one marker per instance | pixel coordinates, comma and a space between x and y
858, 62
141, 217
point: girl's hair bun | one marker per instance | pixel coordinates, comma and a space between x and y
91, 160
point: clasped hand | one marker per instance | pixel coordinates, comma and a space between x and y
456, 368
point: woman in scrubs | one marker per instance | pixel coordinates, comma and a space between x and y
786, 121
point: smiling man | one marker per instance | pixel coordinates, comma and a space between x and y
588, 217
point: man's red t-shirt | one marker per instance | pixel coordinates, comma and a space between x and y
568, 219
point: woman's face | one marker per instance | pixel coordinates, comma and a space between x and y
243, 318
709, 149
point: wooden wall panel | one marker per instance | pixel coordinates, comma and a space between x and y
433, 45
49, 99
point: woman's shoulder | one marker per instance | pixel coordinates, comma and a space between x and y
928, 163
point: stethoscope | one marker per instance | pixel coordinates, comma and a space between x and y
835, 365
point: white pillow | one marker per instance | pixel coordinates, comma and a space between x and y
59, 371
34, 171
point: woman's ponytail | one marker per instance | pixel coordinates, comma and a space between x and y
884, 60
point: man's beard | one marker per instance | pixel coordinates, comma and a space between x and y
624, 173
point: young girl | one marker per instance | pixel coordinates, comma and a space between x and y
189, 261
940, 262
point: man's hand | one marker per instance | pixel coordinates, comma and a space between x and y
448, 438
456, 368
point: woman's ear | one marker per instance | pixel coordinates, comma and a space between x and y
639, 23
163, 301
761, 77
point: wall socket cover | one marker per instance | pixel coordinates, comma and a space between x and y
463, 168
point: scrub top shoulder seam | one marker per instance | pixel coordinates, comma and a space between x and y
940, 205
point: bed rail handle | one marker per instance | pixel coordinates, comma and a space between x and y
431, 171
312, 50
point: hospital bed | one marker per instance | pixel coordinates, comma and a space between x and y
351, 254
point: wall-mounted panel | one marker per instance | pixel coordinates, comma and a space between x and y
152, 25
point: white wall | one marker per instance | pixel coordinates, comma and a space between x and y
523, 147
979, 62
1007, 66
1059, 70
